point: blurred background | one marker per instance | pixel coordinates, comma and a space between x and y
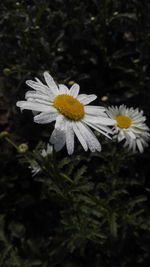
105, 47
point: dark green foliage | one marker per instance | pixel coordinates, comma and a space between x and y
87, 209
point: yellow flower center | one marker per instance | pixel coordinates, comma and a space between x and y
69, 106
123, 121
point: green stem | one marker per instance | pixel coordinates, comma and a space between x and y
11, 142
67, 178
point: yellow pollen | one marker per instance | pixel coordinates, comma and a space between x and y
123, 121
69, 106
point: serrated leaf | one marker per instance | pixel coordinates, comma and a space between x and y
78, 175
137, 200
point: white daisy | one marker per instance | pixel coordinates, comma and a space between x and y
34, 166
47, 151
71, 112
130, 127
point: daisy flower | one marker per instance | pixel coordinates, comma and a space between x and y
130, 127
70, 110
34, 166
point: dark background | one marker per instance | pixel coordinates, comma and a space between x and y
103, 219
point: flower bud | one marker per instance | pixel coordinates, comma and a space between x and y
22, 148
6, 71
3, 134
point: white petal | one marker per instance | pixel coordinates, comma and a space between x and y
121, 136
90, 138
81, 96
139, 144
58, 139
45, 117
38, 95
60, 123
69, 137
99, 120
107, 121
86, 99
131, 134
90, 118
35, 106
74, 90
39, 87
101, 129
129, 143
63, 89
37, 100
134, 147
48, 150
38, 81
94, 110
51, 84
79, 135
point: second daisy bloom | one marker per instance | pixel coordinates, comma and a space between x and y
130, 127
